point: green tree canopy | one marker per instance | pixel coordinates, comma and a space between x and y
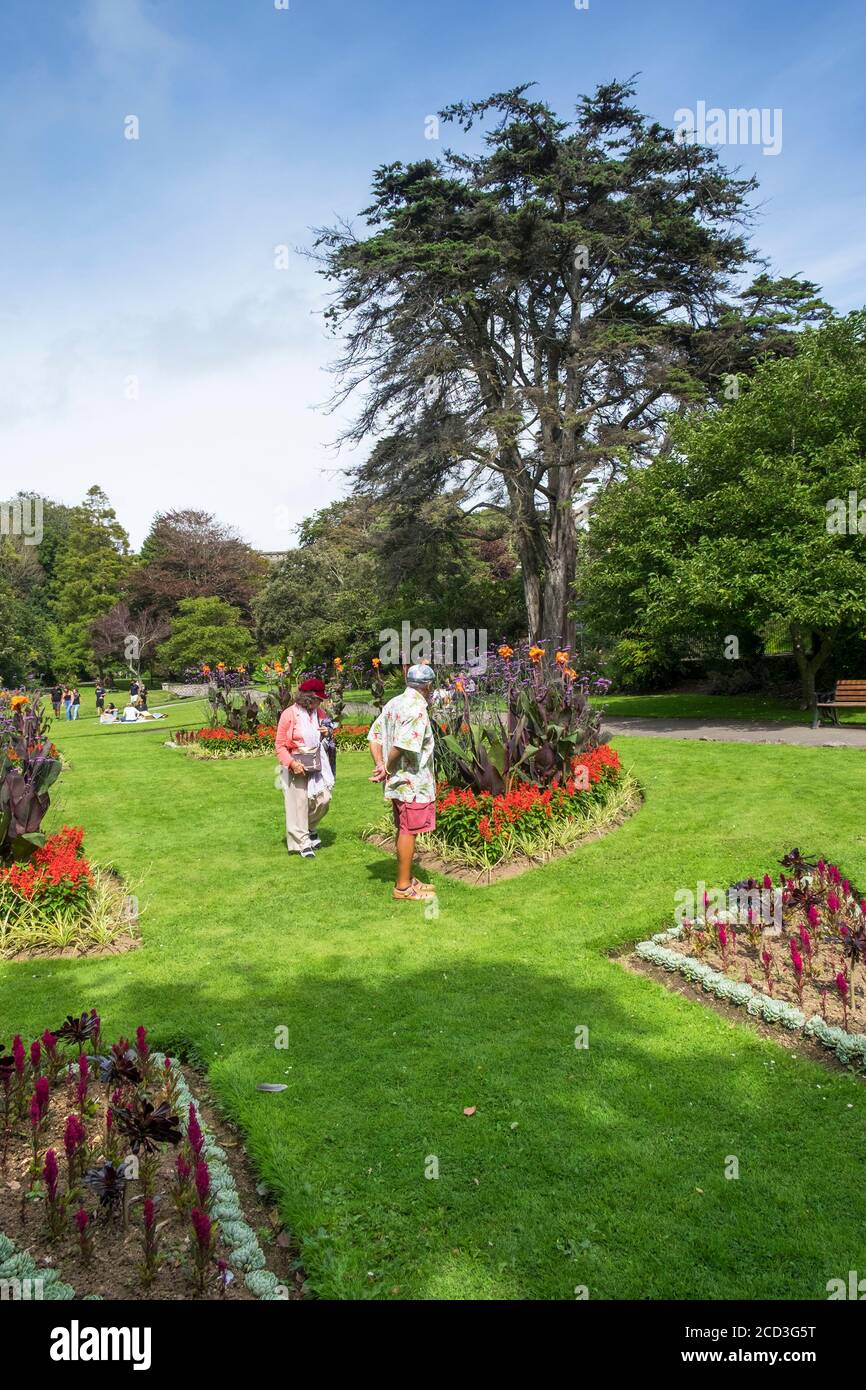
89, 572
206, 630
360, 567
519, 321
757, 516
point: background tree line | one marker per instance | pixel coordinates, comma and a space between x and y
196, 592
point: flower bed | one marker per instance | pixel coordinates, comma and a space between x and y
526, 818
805, 969
220, 742
528, 824
58, 902
113, 1184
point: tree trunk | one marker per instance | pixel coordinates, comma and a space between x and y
558, 624
531, 546
811, 650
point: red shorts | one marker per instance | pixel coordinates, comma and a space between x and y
414, 817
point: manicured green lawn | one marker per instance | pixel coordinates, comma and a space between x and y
602, 1167
685, 706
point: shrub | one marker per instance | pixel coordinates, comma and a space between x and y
29, 765
548, 720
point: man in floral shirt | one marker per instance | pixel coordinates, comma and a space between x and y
401, 744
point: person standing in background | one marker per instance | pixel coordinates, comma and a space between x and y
76, 703
67, 701
100, 697
56, 697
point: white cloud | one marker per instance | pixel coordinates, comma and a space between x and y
123, 32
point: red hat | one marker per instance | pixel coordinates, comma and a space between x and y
313, 686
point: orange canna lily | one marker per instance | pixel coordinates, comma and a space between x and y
535, 654
376, 662
505, 652
562, 658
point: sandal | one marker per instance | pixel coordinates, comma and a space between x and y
410, 894
425, 889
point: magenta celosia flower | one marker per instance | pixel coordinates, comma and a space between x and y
833, 902
183, 1168
74, 1135
768, 882
50, 1174
81, 1219
109, 1118
842, 984
822, 867
814, 916
49, 1042
43, 1093
202, 1226
35, 1113
806, 941
723, 937
766, 957
193, 1132
846, 888
83, 1066
167, 1063
18, 1054
149, 1213
796, 958
835, 876
35, 1055
141, 1045
202, 1181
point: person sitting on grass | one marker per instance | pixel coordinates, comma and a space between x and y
401, 745
109, 716
130, 714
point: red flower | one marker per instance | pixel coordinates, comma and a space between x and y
195, 1138
202, 1226
202, 1181
43, 1094
50, 1174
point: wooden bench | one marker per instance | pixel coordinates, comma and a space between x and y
847, 695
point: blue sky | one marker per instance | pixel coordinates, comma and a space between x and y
149, 342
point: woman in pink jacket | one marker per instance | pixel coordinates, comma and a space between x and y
305, 773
